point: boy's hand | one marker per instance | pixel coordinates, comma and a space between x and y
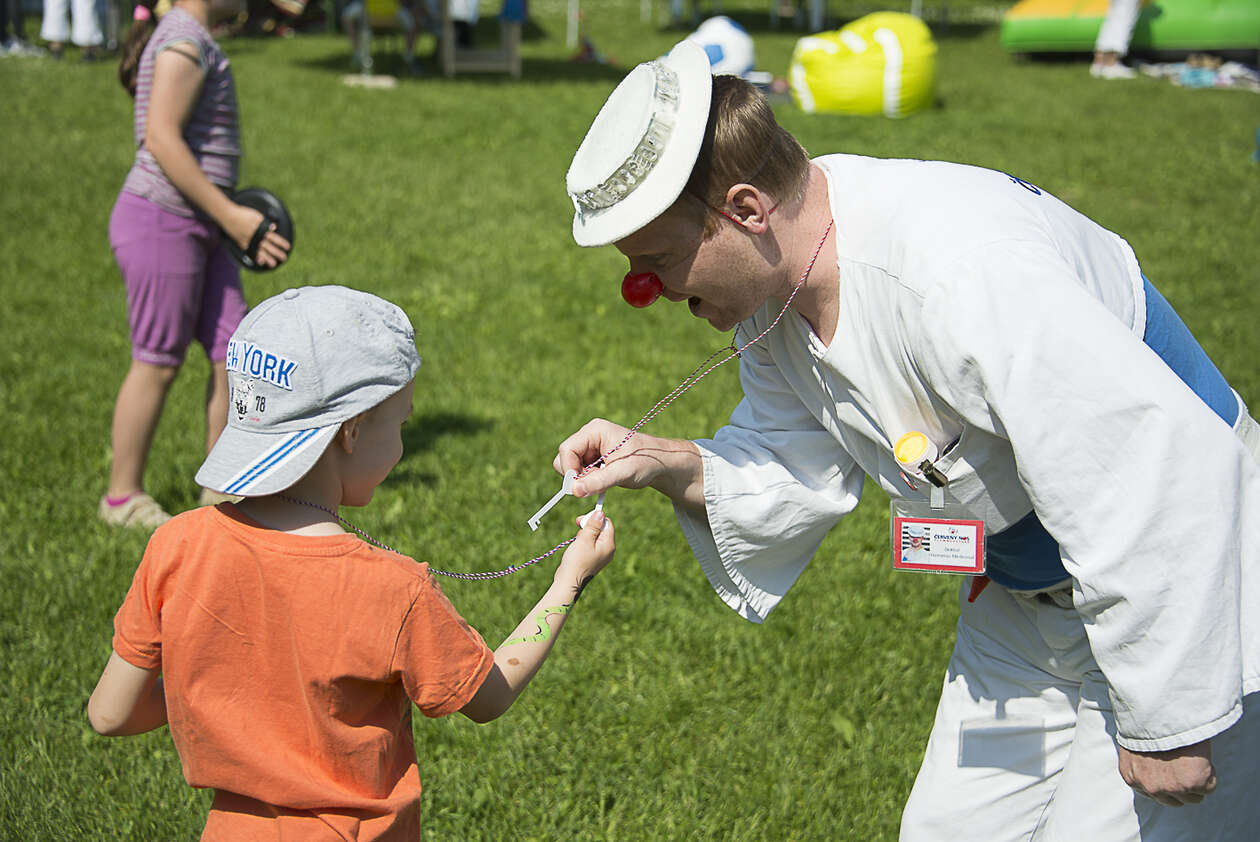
588, 554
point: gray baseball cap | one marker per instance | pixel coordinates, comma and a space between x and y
299, 364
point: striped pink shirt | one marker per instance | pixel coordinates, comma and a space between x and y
213, 129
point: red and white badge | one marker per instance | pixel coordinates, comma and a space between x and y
937, 544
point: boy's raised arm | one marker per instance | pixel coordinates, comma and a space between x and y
518, 658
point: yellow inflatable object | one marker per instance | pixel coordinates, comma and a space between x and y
381, 12
883, 63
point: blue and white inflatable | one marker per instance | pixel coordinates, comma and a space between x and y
728, 45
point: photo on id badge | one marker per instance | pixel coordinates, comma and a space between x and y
916, 543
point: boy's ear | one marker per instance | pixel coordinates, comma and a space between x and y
348, 435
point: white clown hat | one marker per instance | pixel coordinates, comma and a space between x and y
637, 156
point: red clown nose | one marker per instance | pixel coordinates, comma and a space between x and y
641, 289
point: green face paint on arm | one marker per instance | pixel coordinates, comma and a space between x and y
544, 629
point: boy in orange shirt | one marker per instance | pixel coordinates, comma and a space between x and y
283, 651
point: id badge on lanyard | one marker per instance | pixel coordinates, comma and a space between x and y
937, 536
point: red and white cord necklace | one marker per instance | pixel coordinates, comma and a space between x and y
690, 380
471, 576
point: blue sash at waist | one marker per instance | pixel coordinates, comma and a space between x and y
1024, 556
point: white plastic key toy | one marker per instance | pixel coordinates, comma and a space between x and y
599, 507
565, 488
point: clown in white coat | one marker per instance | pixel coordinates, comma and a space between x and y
1105, 682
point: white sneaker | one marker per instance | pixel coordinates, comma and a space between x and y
19, 48
139, 510
1112, 71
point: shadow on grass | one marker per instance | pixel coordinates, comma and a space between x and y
387, 54
946, 31
1245, 56
755, 23
420, 435
389, 62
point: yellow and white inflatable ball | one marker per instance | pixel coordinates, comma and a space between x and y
883, 63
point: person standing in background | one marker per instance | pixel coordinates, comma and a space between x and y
166, 232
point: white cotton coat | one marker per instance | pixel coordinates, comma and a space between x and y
982, 311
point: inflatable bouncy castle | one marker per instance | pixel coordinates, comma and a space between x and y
1049, 26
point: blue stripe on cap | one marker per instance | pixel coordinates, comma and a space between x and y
1024, 556
270, 460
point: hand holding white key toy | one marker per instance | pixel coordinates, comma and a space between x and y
565, 488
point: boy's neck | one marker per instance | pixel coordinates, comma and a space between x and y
292, 514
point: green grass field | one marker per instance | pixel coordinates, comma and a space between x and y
661, 715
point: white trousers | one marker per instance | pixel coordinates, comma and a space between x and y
1117, 26
1023, 745
87, 27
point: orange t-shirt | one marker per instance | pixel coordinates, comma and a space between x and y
290, 664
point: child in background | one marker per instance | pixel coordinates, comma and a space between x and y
282, 650
166, 230
412, 16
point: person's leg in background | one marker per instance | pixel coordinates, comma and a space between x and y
5, 38
1112, 44
163, 259
86, 29
14, 42
353, 17
222, 308
409, 23
137, 411
55, 27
